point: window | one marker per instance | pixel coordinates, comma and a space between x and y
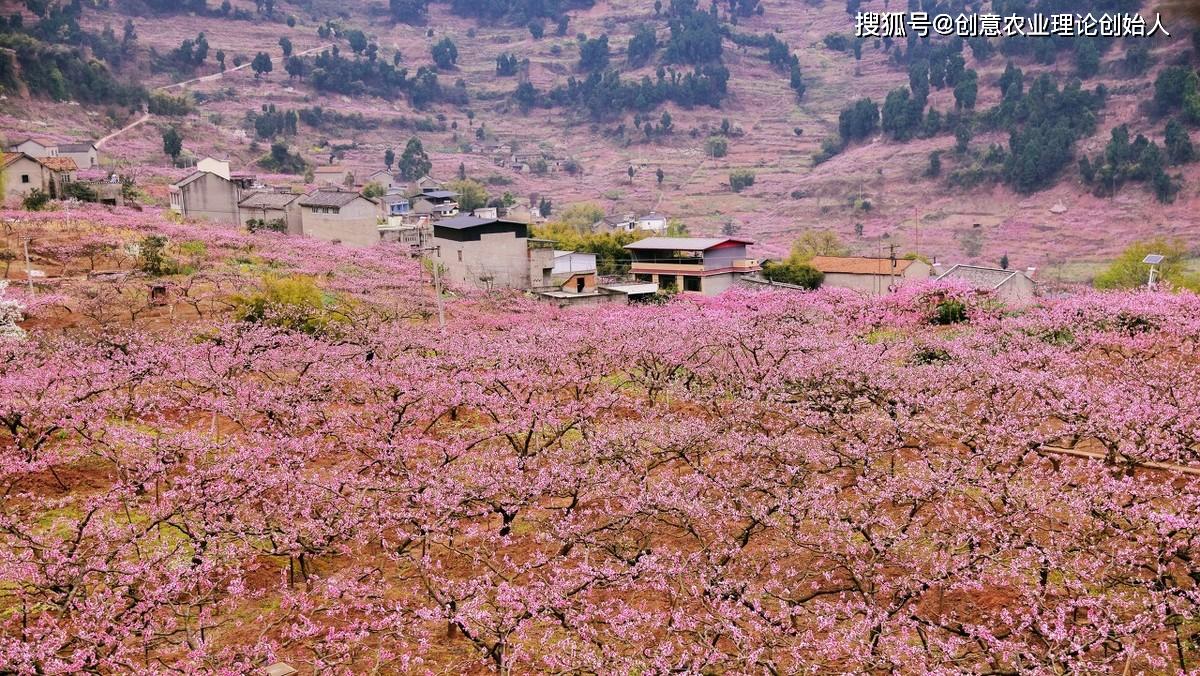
24, 178
460, 255
644, 278
691, 283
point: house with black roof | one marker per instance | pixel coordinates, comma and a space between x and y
492, 253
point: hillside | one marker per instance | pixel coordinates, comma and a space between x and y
791, 193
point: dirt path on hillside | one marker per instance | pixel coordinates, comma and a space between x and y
122, 130
204, 78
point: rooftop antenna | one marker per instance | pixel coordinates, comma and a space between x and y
1153, 260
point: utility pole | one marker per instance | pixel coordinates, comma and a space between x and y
437, 284
28, 267
892, 272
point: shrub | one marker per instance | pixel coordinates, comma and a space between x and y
154, 260
949, 311
716, 146
294, 303
36, 200
740, 179
799, 274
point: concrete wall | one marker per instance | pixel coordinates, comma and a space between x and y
355, 225
35, 149
1017, 289
723, 257
715, 284
37, 176
84, 160
211, 198
503, 257
917, 271
291, 216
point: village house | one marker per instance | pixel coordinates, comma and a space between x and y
874, 276
1010, 286
59, 172
492, 253
415, 235
574, 271
24, 173
270, 208
435, 202
35, 147
85, 154
383, 177
706, 265
215, 166
209, 195
341, 216
395, 204
333, 174
424, 184
652, 222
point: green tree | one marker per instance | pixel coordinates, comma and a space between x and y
357, 40
373, 189
716, 146
261, 65
153, 256
594, 54
286, 45
389, 158
172, 142
36, 200
1087, 57
740, 179
798, 274
816, 243
1173, 86
1178, 143
935, 164
966, 91
1129, 272
962, 139
414, 162
472, 194
658, 174
445, 54
901, 114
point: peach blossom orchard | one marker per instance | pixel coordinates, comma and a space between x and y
758, 482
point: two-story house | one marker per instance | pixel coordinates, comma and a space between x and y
270, 208
706, 265
342, 216
492, 253
210, 196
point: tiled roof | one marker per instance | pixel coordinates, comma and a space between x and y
59, 163
268, 200
83, 147
981, 277
846, 265
330, 198
330, 169
683, 243
9, 158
